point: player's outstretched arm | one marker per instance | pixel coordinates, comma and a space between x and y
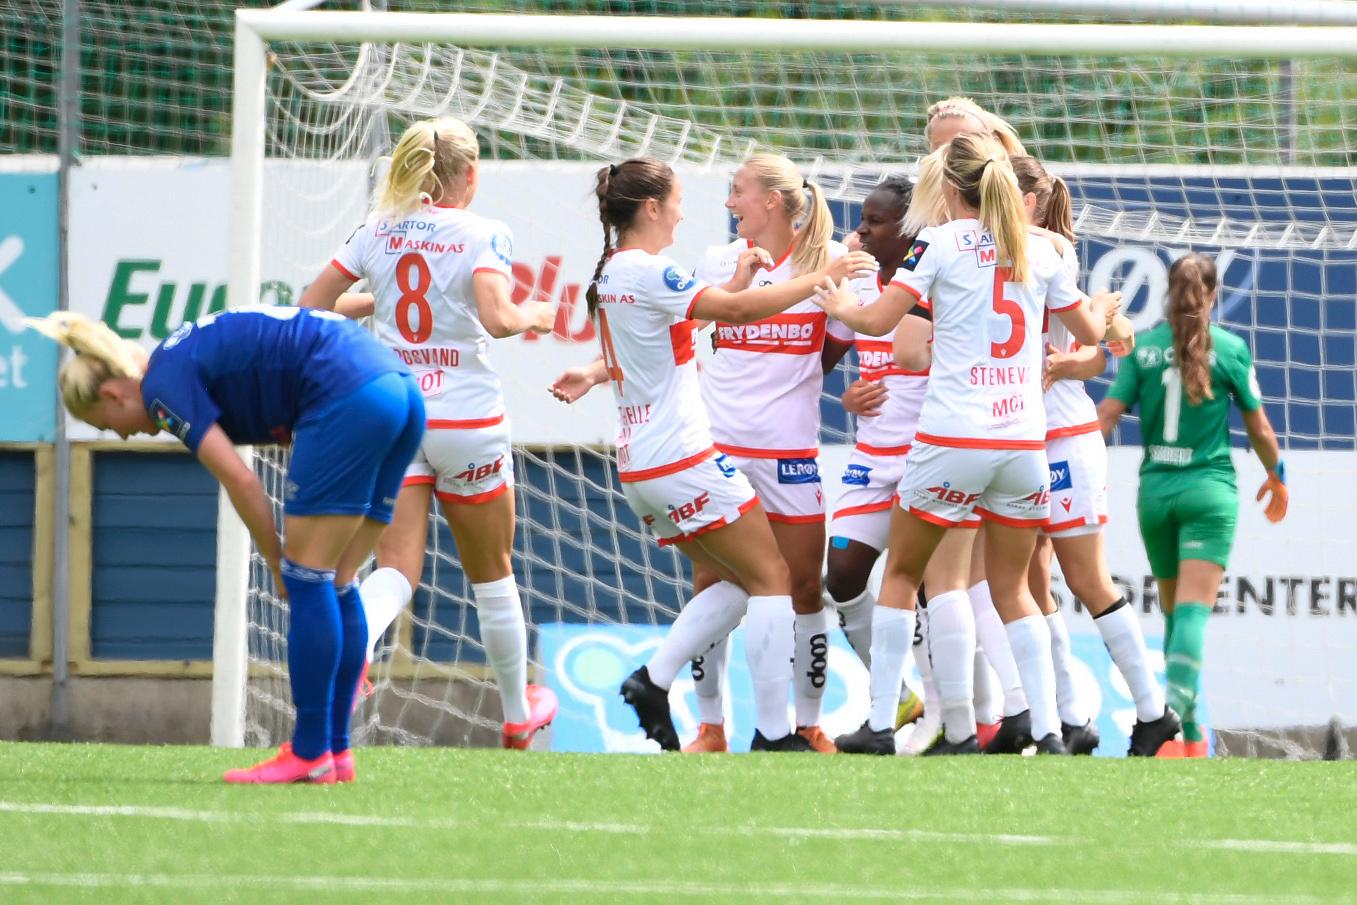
326, 289
715, 304
1263, 439
1083, 363
498, 313
218, 455
840, 302
1089, 322
575, 382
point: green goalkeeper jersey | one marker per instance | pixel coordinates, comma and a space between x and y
1182, 439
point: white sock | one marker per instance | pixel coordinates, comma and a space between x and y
1121, 633
988, 696
951, 644
709, 682
892, 637
993, 640
505, 637
768, 646
855, 617
1066, 691
385, 593
810, 665
921, 659
704, 620
1031, 642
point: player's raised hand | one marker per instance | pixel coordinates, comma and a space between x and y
1111, 306
750, 262
1121, 348
852, 241
541, 316
864, 398
851, 266
834, 297
575, 382
1280, 497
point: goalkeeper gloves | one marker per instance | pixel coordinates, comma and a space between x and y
1275, 510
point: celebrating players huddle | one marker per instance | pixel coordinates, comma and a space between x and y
978, 452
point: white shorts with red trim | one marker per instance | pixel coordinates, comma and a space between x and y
684, 504
947, 485
1078, 485
465, 464
788, 488
862, 511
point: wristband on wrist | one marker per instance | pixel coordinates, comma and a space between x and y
1280, 471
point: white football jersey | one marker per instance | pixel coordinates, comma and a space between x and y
984, 387
1069, 408
420, 269
646, 329
892, 431
762, 387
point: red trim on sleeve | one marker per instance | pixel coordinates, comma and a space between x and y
491, 270
659, 471
344, 270
918, 296
1067, 307
693, 303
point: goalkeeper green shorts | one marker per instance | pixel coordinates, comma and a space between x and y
1188, 519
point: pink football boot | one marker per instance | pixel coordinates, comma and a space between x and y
541, 711
287, 767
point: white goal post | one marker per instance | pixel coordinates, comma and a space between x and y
672, 136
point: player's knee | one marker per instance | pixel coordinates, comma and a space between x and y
769, 577
844, 585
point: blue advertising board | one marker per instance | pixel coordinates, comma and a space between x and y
28, 287
585, 664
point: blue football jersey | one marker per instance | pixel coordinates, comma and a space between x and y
257, 371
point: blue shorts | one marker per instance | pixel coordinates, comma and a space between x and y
349, 458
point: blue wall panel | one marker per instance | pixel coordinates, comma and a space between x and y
17, 485
154, 557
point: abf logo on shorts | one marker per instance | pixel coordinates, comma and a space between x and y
1060, 476
798, 471
676, 279
857, 475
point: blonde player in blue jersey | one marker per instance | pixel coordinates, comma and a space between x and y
1183, 374
353, 416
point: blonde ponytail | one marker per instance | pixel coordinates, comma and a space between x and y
928, 206
979, 168
427, 164
100, 354
776, 173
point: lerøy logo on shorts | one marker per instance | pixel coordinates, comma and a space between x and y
857, 475
798, 471
676, 279
1060, 476
723, 462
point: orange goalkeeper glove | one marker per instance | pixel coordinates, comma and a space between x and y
1275, 510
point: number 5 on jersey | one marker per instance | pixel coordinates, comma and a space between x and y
1013, 311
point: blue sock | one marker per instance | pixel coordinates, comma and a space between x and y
353, 653
313, 640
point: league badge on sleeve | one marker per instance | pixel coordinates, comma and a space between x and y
168, 421
916, 252
677, 280
503, 247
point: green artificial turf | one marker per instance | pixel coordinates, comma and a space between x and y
113, 824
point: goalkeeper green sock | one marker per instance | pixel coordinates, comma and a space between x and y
1168, 631
1183, 658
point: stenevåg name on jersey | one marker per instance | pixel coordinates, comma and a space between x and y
796, 334
997, 377
439, 356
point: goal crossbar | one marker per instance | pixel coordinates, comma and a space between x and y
671, 33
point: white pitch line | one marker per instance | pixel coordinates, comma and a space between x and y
366, 821
614, 888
